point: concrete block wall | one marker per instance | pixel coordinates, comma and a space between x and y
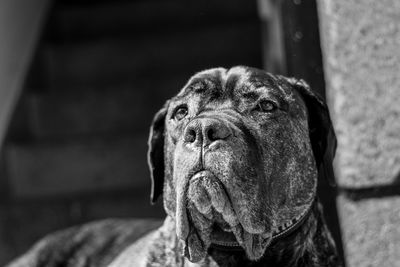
361, 51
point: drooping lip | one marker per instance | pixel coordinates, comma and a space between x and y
222, 226
221, 233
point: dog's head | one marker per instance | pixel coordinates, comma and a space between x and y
237, 154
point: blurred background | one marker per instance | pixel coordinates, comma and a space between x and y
80, 81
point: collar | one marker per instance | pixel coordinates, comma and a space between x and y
292, 225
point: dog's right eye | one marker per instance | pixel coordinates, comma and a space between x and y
266, 106
180, 113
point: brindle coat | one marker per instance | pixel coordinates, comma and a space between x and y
237, 155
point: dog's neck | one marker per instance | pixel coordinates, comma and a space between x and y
309, 245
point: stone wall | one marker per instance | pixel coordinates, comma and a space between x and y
361, 47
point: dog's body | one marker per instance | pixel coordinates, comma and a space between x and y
237, 155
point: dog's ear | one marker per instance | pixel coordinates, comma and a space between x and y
155, 154
322, 134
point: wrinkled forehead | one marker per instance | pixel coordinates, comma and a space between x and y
220, 83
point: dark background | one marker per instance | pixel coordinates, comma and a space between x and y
76, 147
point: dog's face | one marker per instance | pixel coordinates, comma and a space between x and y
233, 154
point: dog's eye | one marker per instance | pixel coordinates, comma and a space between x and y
180, 113
266, 106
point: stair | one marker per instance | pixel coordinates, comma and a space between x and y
74, 21
45, 169
118, 60
76, 113
76, 148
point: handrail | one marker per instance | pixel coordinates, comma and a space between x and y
20, 27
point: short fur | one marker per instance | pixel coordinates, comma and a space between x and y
237, 155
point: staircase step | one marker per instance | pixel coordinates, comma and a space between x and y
124, 109
56, 168
109, 62
77, 22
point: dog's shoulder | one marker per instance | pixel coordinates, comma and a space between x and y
158, 248
92, 244
137, 254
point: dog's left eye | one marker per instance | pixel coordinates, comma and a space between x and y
180, 113
266, 106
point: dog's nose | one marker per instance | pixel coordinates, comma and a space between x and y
204, 131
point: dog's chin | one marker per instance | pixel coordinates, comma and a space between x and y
232, 238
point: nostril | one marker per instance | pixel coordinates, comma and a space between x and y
218, 132
211, 135
203, 131
190, 136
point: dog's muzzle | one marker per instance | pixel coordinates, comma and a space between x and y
205, 213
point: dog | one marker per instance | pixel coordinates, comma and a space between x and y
236, 155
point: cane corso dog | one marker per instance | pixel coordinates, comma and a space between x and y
236, 156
